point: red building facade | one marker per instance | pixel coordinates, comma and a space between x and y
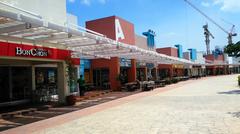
170, 70
121, 30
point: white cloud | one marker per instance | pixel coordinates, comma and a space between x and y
86, 2
89, 2
71, 1
228, 5
205, 4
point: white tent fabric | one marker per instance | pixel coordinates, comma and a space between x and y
84, 43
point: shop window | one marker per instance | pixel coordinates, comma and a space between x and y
124, 75
140, 74
100, 77
87, 75
40, 77
164, 73
51, 77
15, 84
4, 85
46, 76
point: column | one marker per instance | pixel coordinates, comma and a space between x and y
62, 82
145, 73
33, 78
171, 71
114, 69
132, 72
225, 70
214, 70
155, 77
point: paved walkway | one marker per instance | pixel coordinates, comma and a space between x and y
205, 106
27, 115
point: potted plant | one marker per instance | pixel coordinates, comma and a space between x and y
168, 80
71, 100
71, 71
174, 80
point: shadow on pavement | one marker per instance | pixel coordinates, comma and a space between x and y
230, 92
23, 119
235, 114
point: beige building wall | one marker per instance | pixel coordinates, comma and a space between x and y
141, 41
51, 10
200, 58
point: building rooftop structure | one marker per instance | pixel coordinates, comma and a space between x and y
83, 42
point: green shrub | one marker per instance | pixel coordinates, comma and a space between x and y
168, 80
174, 80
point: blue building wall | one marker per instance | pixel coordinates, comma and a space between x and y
180, 50
193, 54
84, 64
150, 38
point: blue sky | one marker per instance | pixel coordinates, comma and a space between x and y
174, 21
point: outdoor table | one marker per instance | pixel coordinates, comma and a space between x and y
147, 85
131, 86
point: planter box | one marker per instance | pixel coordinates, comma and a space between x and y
71, 100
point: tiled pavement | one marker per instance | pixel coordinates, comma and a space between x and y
205, 106
90, 99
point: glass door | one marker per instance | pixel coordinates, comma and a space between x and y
4, 85
100, 77
21, 83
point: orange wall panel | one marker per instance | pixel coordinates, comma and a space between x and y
168, 51
114, 69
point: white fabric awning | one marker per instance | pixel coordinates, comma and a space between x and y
84, 43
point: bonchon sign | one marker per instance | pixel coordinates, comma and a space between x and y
40, 52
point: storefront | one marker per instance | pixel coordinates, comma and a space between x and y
216, 69
101, 78
151, 71
33, 73
141, 71
233, 69
198, 71
125, 66
85, 70
15, 84
178, 70
165, 71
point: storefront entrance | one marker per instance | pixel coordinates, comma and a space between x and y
164, 73
15, 85
124, 75
101, 78
141, 76
46, 84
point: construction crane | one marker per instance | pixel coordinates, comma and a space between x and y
230, 34
207, 34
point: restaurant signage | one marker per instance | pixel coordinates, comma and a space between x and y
38, 52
